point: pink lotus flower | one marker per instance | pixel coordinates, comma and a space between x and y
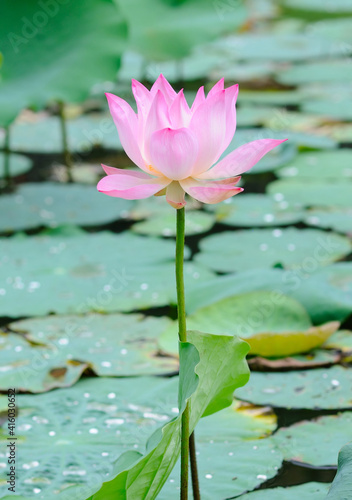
176, 146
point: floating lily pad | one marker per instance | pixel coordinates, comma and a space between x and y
18, 165
296, 121
164, 224
228, 251
312, 193
198, 65
326, 293
255, 210
85, 173
307, 491
334, 218
336, 91
93, 272
242, 71
111, 345
85, 132
317, 165
326, 71
154, 206
339, 132
250, 116
35, 369
250, 463
226, 286
166, 36
338, 29
340, 340
66, 44
315, 359
287, 343
278, 118
51, 204
273, 324
132, 66
316, 442
281, 47
327, 8
262, 10
306, 139
322, 388
342, 485
341, 110
229, 435
149, 207
71, 437
278, 98
239, 422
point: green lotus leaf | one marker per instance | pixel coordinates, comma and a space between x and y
253, 210
338, 219
318, 165
337, 29
52, 204
277, 98
66, 44
341, 110
35, 369
287, 153
291, 248
325, 292
281, 47
213, 367
323, 72
236, 435
57, 349
18, 165
70, 438
316, 358
166, 36
341, 340
100, 272
322, 388
243, 71
288, 343
320, 91
274, 325
152, 207
307, 491
338, 7
342, 484
163, 224
84, 133
314, 193
315, 442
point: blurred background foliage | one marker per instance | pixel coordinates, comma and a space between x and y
87, 281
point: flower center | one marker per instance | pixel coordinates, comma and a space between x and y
152, 170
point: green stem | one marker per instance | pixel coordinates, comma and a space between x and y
67, 154
187, 442
180, 246
184, 453
7, 176
182, 333
194, 469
